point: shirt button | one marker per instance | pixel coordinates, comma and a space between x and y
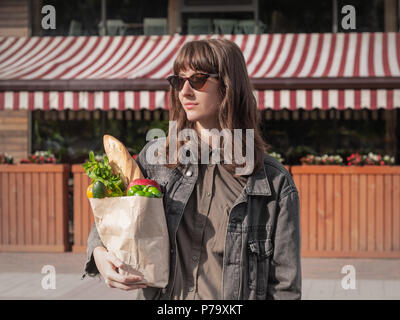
208, 194
189, 173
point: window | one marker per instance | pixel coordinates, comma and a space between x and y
130, 17
125, 17
288, 16
369, 15
73, 18
218, 23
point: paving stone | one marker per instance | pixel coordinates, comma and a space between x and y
21, 278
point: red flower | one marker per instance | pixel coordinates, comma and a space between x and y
134, 156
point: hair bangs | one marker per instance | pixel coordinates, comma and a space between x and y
196, 55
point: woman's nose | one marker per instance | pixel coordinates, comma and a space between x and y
187, 89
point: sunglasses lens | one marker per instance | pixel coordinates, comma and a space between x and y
176, 82
197, 81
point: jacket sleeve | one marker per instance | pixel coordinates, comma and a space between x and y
285, 267
92, 242
94, 238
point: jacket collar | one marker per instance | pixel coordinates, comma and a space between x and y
258, 184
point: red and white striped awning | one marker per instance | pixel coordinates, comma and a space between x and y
294, 71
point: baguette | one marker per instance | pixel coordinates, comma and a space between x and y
120, 160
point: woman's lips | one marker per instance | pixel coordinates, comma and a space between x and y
190, 105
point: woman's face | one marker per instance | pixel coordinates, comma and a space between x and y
201, 105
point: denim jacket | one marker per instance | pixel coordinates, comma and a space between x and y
262, 245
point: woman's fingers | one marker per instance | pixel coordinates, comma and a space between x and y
114, 260
115, 277
114, 284
127, 281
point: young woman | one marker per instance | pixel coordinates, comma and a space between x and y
232, 236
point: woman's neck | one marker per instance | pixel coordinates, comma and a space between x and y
204, 132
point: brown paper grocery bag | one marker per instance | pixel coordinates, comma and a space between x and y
135, 230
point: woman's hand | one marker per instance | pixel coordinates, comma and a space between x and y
109, 267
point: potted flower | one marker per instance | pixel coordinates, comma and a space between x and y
356, 159
5, 158
40, 157
322, 160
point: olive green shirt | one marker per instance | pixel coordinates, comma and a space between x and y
201, 234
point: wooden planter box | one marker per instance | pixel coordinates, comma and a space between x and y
349, 211
83, 215
34, 207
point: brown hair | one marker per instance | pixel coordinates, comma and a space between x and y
238, 107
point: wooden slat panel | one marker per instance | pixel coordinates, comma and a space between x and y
78, 209
371, 211
14, 14
13, 114
354, 209
51, 216
297, 181
313, 169
363, 212
313, 212
14, 127
11, 147
58, 208
346, 212
396, 212
329, 211
379, 231
20, 209
28, 211
5, 207
36, 208
86, 210
43, 208
8, 120
321, 212
2, 212
65, 211
388, 212
338, 213
30, 204
305, 196
13, 208
33, 248
34, 168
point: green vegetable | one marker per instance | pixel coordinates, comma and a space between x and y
144, 191
99, 190
155, 192
102, 172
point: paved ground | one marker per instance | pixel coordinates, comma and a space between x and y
21, 277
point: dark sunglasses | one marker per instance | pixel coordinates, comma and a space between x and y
196, 80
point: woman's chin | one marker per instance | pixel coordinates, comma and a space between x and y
191, 116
